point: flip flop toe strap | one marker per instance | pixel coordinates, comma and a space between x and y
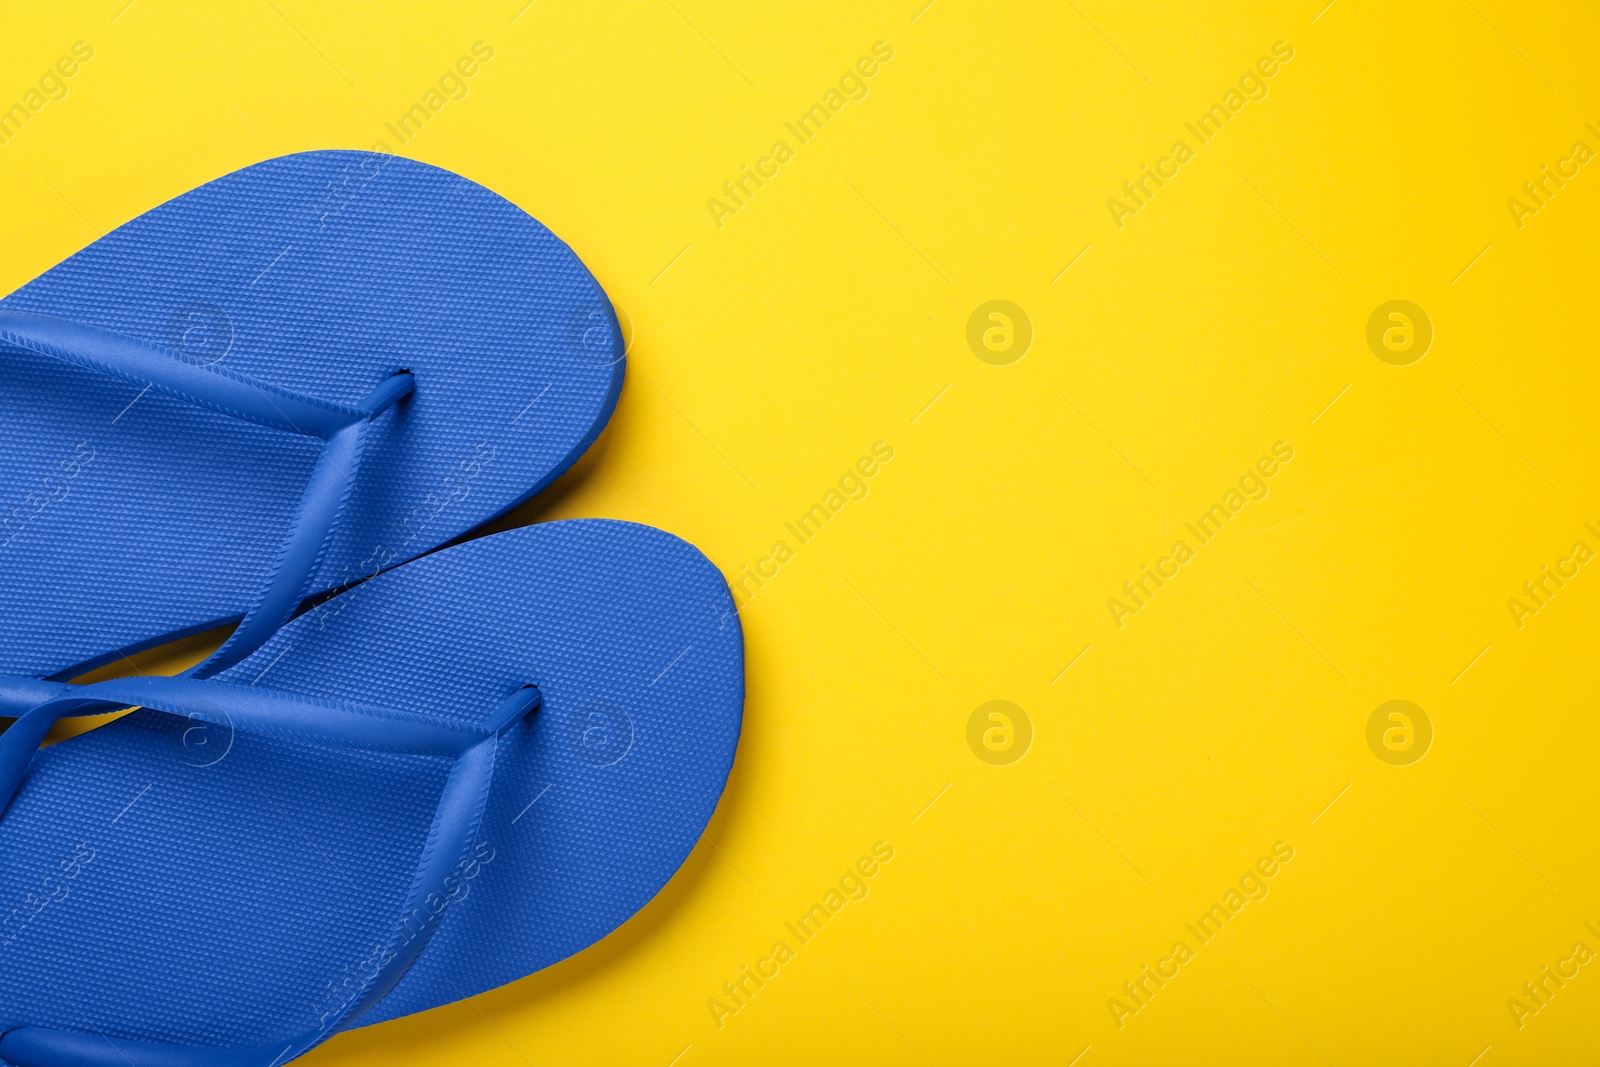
341, 428
276, 713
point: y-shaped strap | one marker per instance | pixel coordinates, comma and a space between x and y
341, 427
275, 713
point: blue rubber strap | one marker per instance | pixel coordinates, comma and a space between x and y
140, 363
456, 823
19, 692
342, 428
301, 553
253, 709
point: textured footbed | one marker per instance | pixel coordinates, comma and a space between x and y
129, 518
193, 884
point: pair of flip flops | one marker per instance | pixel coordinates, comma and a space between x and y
455, 772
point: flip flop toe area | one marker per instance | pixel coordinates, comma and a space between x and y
632, 638
191, 883
128, 517
171, 881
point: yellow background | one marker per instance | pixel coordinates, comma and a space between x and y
824, 316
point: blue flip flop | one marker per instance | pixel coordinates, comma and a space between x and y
486, 760
277, 384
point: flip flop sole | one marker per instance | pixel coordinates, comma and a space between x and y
128, 518
199, 886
